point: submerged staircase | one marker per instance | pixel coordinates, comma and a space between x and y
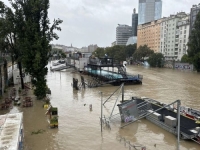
122, 71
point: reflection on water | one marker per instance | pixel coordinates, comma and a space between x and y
79, 127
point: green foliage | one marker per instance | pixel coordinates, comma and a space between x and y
99, 52
130, 50
194, 44
142, 52
185, 59
118, 52
11, 25
27, 26
38, 132
156, 60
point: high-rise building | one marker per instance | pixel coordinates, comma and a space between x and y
123, 32
193, 13
149, 10
134, 22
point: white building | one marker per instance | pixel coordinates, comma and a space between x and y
183, 31
171, 35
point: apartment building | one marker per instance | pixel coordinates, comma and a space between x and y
149, 34
174, 34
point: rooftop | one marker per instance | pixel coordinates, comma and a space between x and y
10, 128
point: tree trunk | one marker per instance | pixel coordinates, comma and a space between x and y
20, 73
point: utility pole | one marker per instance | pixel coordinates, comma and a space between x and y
101, 110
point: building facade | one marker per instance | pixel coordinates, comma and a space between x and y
134, 22
92, 48
149, 34
174, 36
193, 13
149, 10
132, 40
183, 29
123, 32
113, 43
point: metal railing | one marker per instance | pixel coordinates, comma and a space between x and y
129, 145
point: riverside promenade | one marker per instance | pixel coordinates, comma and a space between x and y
36, 127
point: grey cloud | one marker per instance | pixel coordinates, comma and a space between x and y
94, 21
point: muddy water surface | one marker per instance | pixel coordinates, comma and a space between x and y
79, 128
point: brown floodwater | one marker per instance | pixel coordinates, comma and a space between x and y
79, 128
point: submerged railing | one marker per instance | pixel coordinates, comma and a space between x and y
129, 145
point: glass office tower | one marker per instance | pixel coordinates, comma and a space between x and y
149, 10
134, 22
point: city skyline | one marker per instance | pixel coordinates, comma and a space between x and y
88, 22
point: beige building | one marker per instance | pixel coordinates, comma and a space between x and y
149, 34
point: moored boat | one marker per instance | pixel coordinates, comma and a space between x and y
166, 118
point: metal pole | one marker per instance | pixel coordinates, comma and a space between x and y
112, 94
115, 104
178, 115
122, 92
101, 109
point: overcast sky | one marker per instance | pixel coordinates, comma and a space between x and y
88, 22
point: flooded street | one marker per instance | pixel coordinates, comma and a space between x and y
79, 128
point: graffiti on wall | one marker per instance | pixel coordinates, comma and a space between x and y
183, 66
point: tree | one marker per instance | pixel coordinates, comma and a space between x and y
142, 52
37, 36
185, 59
130, 49
156, 60
194, 44
10, 26
99, 52
30, 34
117, 52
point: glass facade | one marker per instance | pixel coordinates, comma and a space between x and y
149, 10
158, 10
141, 13
134, 24
123, 32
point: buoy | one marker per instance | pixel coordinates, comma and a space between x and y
90, 107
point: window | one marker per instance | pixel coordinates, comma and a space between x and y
184, 36
185, 32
